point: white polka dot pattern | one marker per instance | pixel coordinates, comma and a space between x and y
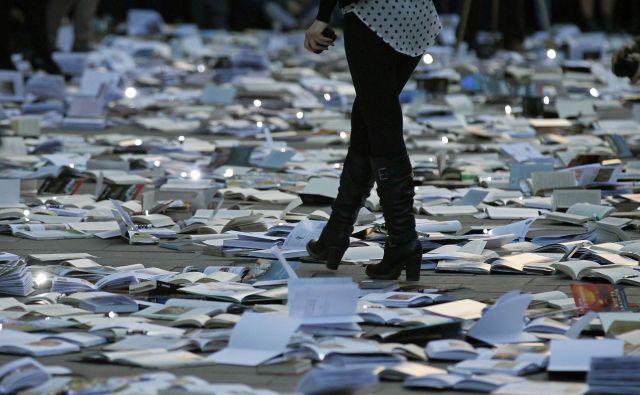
409, 26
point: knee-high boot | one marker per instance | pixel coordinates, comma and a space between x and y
402, 250
356, 182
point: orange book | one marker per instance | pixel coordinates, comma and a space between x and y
599, 297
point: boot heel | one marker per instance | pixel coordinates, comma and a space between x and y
334, 257
412, 269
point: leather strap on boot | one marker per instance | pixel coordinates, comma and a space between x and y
394, 178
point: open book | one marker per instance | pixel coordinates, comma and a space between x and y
236, 292
118, 280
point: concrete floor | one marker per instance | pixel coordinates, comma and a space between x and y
118, 252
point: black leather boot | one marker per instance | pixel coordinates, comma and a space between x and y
356, 182
402, 250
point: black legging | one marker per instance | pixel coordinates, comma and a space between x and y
379, 73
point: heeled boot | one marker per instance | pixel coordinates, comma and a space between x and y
402, 250
356, 182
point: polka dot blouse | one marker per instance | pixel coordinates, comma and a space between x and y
409, 26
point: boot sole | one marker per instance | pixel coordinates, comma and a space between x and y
412, 270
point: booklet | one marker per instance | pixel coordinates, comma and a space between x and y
236, 292
569, 356
451, 350
599, 297
404, 299
504, 321
320, 301
247, 349
35, 345
22, 373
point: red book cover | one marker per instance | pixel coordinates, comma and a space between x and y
599, 297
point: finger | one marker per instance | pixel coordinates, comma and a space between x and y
323, 40
318, 46
313, 46
307, 44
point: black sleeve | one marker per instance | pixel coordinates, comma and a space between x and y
325, 10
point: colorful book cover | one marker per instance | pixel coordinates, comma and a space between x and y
599, 297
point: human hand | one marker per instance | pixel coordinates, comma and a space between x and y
314, 41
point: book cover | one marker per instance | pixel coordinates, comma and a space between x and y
599, 297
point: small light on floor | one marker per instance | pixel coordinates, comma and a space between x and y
156, 163
228, 173
551, 53
195, 174
259, 124
594, 92
508, 110
327, 97
201, 68
40, 279
546, 100
138, 142
257, 103
445, 140
183, 174
427, 58
343, 135
299, 115
130, 92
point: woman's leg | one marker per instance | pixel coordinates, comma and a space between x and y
379, 73
356, 181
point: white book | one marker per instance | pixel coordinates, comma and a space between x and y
102, 302
450, 210
511, 213
575, 355
108, 328
157, 358
434, 381
144, 342
197, 277
496, 366
81, 339
574, 269
486, 382
546, 325
21, 343
323, 300
402, 299
177, 309
530, 387
22, 373
450, 350
235, 292
466, 309
247, 349
504, 321
405, 370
